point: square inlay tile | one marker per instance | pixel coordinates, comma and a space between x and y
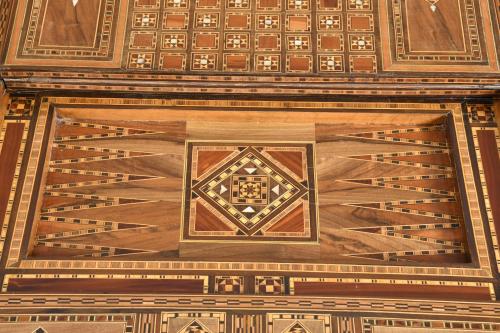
252, 192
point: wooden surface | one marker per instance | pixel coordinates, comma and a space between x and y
92, 226
285, 208
385, 192
267, 46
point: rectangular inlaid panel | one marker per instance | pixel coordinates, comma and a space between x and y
137, 196
8, 160
374, 194
62, 32
428, 33
332, 288
295, 37
63, 25
103, 284
250, 192
412, 325
385, 192
304, 36
491, 166
79, 323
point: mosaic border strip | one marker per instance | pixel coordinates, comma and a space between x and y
440, 325
127, 318
177, 302
28, 187
471, 191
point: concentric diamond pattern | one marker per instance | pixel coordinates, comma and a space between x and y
257, 188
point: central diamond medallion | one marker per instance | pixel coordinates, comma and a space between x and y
249, 189
256, 192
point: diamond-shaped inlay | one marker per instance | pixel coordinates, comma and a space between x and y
248, 176
255, 191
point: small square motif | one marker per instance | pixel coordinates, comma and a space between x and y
268, 4
238, 4
177, 4
206, 20
481, 113
208, 4
175, 21
174, 41
298, 4
359, 4
267, 63
268, 22
298, 23
331, 63
147, 4
331, 42
329, 22
269, 285
237, 62
298, 42
20, 106
236, 41
360, 22
205, 40
140, 60
203, 61
229, 285
142, 40
298, 63
363, 63
237, 21
329, 4
172, 61
268, 42
361, 42
145, 20
249, 190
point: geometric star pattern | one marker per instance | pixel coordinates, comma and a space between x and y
254, 191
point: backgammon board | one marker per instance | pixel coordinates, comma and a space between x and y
249, 166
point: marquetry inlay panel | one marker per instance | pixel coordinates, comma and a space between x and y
124, 189
98, 231
279, 36
250, 191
